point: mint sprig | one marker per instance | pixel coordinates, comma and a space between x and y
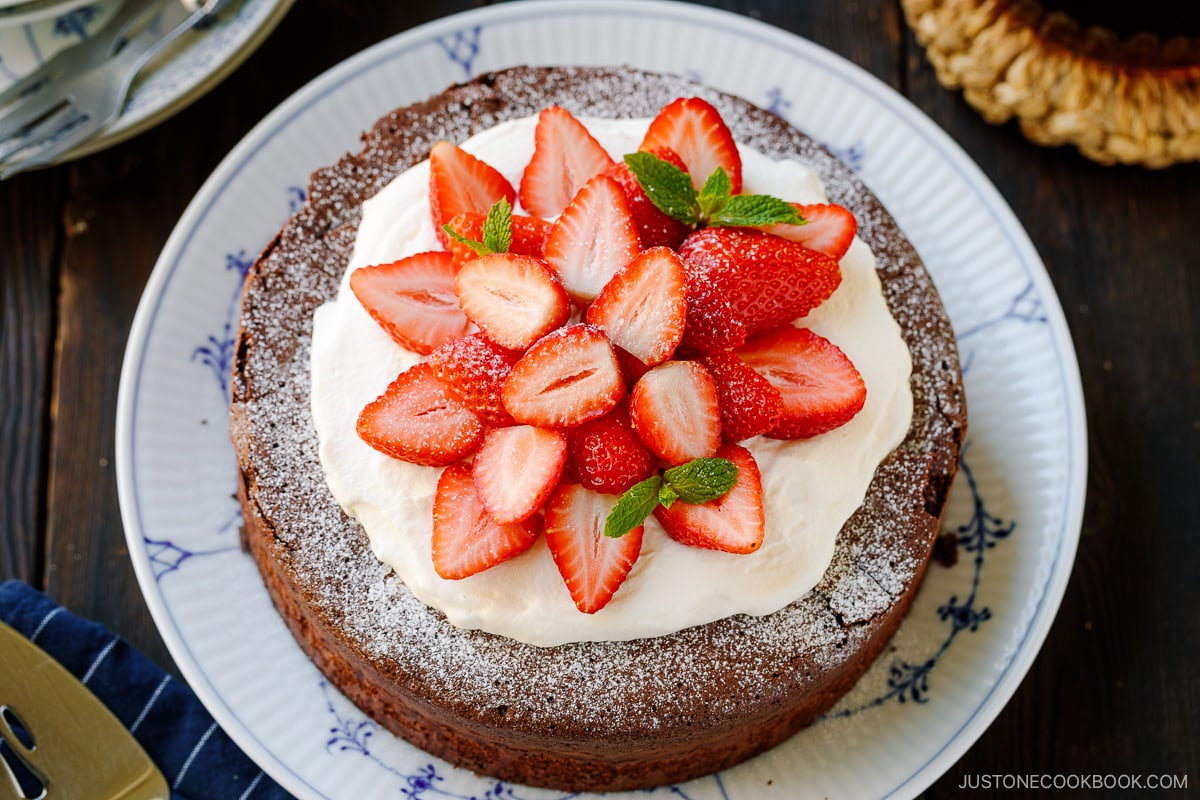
668, 187
698, 481
497, 230
671, 191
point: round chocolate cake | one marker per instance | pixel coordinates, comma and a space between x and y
589, 716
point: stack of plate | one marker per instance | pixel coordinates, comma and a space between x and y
31, 31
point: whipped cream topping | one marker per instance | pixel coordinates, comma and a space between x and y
810, 487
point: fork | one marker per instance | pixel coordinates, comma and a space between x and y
87, 54
52, 122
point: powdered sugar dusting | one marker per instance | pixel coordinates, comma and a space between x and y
712, 676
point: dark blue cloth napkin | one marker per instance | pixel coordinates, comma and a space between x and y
198, 759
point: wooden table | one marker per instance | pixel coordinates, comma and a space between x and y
1115, 689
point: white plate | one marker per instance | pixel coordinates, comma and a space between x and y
1018, 503
184, 73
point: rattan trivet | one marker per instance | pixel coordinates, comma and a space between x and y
1134, 100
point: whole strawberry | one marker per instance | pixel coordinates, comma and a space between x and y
750, 405
770, 281
472, 369
606, 455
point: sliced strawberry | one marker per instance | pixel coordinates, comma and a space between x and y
466, 540
473, 368
516, 469
733, 522
655, 229
592, 565
412, 299
821, 389
770, 281
459, 182
416, 420
567, 377
675, 411
515, 300
643, 308
750, 405
605, 455
828, 228
594, 237
694, 129
528, 236
565, 157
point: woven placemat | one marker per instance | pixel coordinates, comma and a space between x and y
1132, 100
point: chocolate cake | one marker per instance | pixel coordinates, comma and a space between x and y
589, 716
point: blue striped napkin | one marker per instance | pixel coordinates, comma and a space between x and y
197, 758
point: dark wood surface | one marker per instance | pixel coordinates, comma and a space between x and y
1116, 687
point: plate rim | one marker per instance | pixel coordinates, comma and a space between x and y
1025, 651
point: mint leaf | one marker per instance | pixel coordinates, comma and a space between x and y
667, 495
479, 247
667, 186
753, 210
497, 230
497, 227
638, 502
718, 188
715, 194
702, 479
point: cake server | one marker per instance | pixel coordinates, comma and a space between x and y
63, 739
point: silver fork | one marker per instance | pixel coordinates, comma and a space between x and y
35, 133
87, 54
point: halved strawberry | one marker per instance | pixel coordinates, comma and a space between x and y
750, 405
732, 523
592, 565
694, 129
565, 157
821, 389
515, 300
643, 308
412, 299
770, 281
473, 368
459, 182
567, 377
516, 469
605, 455
675, 411
528, 236
655, 229
594, 237
466, 540
828, 228
416, 420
